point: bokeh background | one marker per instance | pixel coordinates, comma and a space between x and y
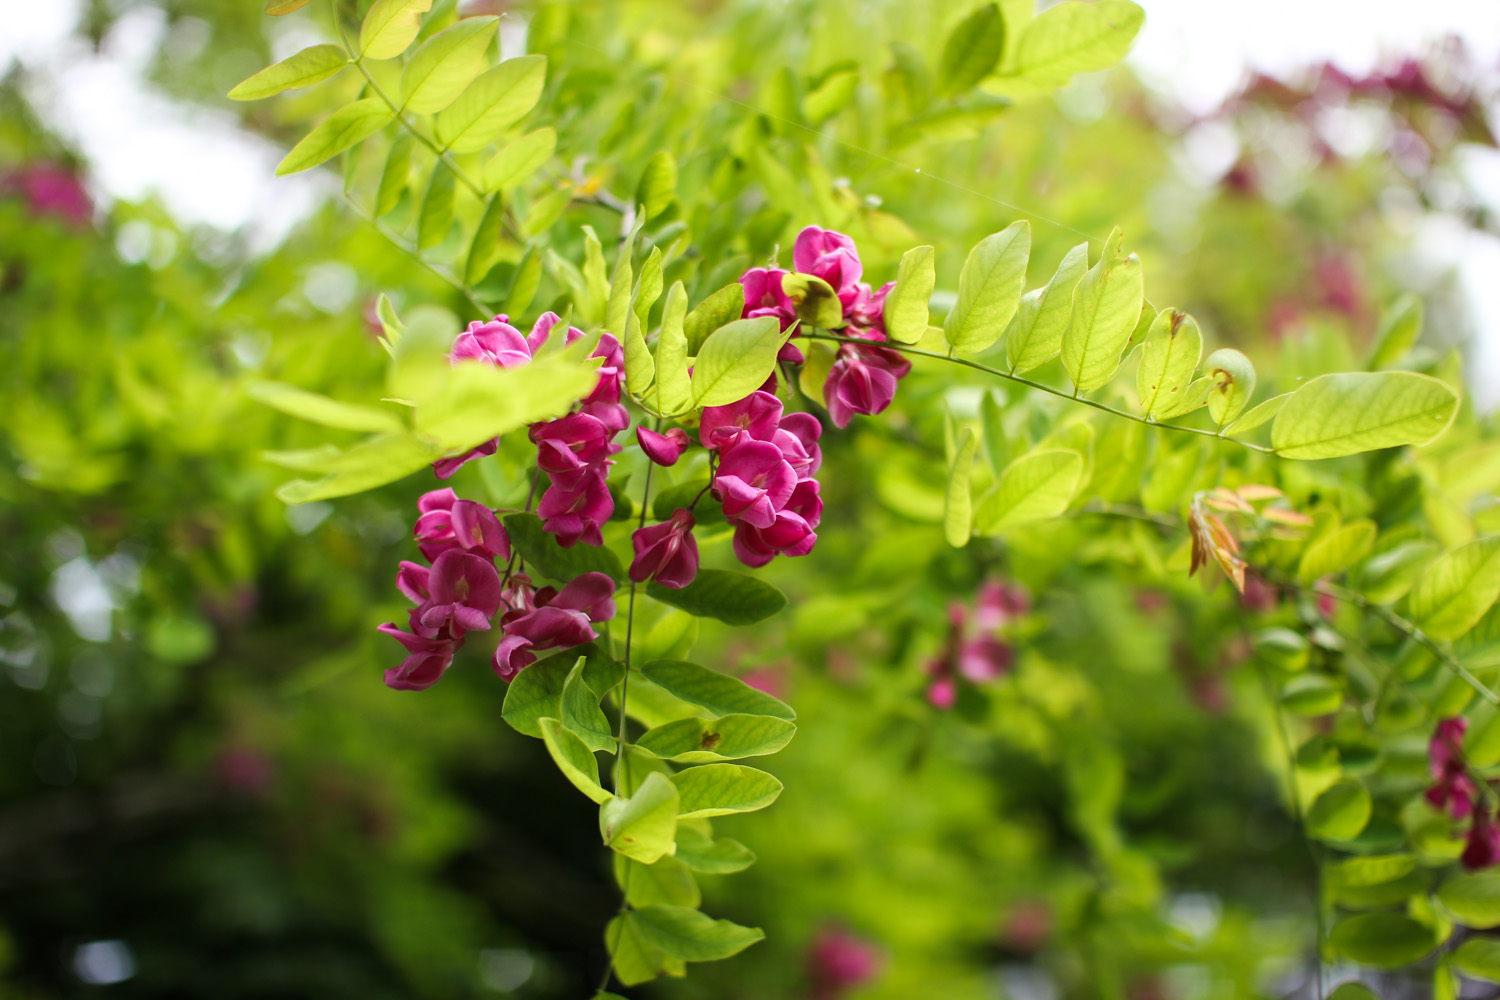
206, 790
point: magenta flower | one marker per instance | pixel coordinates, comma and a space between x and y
425, 663
560, 619
1453, 790
831, 256
998, 603
464, 594
867, 310
792, 533
666, 552
984, 659
444, 468
1483, 846
495, 342
837, 962
576, 514
863, 380
571, 448
542, 329
663, 449
764, 296
610, 373
754, 482
51, 190
754, 418
448, 523
411, 580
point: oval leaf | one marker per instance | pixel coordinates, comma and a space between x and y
1384, 940
732, 597
519, 160
390, 26
445, 64
989, 288
1455, 591
735, 360
336, 133
1234, 384
717, 693
906, 306
574, 759
1035, 486
642, 827
494, 102
1106, 308
307, 67
691, 935
710, 790
1351, 412
1173, 347
1035, 332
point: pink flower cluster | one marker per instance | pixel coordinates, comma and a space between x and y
575, 451
1456, 792
462, 592
864, 376
51, 190
976, 655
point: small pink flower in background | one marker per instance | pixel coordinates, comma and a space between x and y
1259, 596
49, 189
666, 552
1453, 790
838, 961
663, 449
245, 771
771, 680
1028, 927
973, 651
1482, 849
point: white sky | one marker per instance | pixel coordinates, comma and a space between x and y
207, 170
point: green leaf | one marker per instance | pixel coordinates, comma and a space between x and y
1312, 695
484, 248
336, 133
1351, 412
546, 210
544, 555
581, 713
989, 288
691, 935
732, 597
732, 736
1400, 326
536, 693
1454, 592
519, 160
395, 175
479, 402
972, 50
814, 300
735, 360
621, 283
1336, 551
436, 215
1073, 38
640, 367
322, 410
1373, 870
276, 8
574, 759
634, 960
1034, 487
310, 66
1282, 648
1341, 812
494, 102
1234, 384
1106, 306
830, 96
390, 26
958, 501
644, 826
1353, 991
373, 462
1173, 347
524, 284
717, 693
1474, 899
1035, 333
702, 853
713, 312
658, 187
1480, 958
674, 388
1384, 940
906, 306
710, 790
1260, 414
666, 881
445, 64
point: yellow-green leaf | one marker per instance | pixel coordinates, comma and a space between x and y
1351, 412
519, 160
1173, 348
989, 288
445, 64
494, 102
1455, 591
906, 307
1035, 486
336, 133
1106, 307
390, 26
307, 67
1035, 333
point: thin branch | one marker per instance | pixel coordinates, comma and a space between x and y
1043, 387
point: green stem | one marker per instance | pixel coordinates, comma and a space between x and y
1043, 387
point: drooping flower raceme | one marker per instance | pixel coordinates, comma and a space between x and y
666, 552
1455, 791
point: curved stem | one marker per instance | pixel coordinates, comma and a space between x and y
1043, 387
